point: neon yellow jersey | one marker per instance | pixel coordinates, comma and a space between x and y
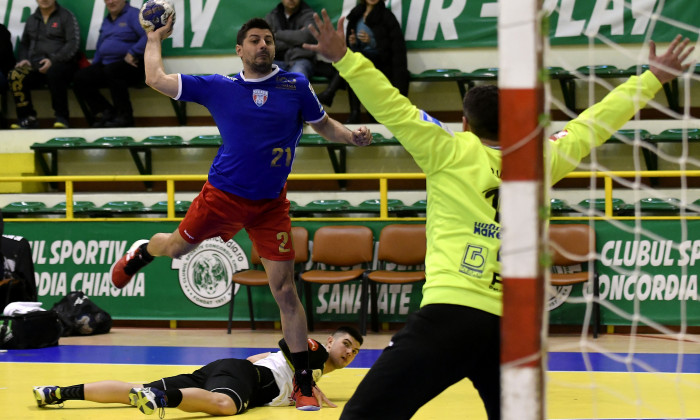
463, 177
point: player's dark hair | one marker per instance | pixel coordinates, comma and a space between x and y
257, 23
481, 110
351, 331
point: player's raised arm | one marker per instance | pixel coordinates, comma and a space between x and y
332, 130
167, 84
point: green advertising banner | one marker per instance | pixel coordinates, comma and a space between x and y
209, 27
72, 256
648, 272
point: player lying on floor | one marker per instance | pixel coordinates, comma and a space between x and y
224, 387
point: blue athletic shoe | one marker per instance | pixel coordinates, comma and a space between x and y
148, 400
46, 395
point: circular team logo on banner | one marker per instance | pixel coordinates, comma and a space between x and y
559, 297
205, 273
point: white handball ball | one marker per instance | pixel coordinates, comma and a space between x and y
155, 13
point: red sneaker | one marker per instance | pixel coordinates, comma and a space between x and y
128, 265
305, 401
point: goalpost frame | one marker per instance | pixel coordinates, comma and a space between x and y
521, 103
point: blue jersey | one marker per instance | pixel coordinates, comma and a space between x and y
260, 121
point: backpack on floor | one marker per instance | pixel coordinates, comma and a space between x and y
32, 330
81, 316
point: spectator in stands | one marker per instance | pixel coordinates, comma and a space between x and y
7, 56
47, 54
290, 21
118, 64
374, 31
7, 62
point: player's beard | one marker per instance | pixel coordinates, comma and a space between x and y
262, 66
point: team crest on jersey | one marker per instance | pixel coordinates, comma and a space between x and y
260, 96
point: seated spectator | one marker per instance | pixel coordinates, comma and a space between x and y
7, 62
373, 30
290, 20
117, 64
47, 54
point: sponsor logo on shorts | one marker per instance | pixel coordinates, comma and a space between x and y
205, 273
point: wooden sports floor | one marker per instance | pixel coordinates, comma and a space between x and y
613, 377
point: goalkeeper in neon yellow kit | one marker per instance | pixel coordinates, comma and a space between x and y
461, 306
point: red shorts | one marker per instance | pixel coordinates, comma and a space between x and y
218, 213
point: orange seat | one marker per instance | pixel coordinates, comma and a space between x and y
256, 276
573, 244
400, 245
334, 248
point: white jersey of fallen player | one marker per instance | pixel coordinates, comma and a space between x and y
284, 375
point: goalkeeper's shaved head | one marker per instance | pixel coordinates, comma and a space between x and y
481, 111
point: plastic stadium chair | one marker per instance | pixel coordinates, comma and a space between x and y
655, 207
372, 208
23, 209
256, 276
337, 247
162, 141
324, 208
313, 140
121, 208
571, 245
416, 209
66, 141
628, 136
598, 204
206, 140
113, 141
402, 245
604, 71
80, 208
161, 207
559, 207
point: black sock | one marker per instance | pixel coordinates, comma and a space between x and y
300, 360
173, 397
74, 392
144, 253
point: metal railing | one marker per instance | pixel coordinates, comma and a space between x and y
383, 179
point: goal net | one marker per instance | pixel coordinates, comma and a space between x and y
640, 194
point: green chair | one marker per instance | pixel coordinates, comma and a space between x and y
416, 209
62, 142
628, 136
676, 135
121, 209
328, 208
379, 140
312, 140
372, 207
635, 70
485, 73
653, 206
161, 207
80, 209
206, 140
437, 73
23, 209
113, 141
603, 71
162, 141
598, 204
293, 207
559, 207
